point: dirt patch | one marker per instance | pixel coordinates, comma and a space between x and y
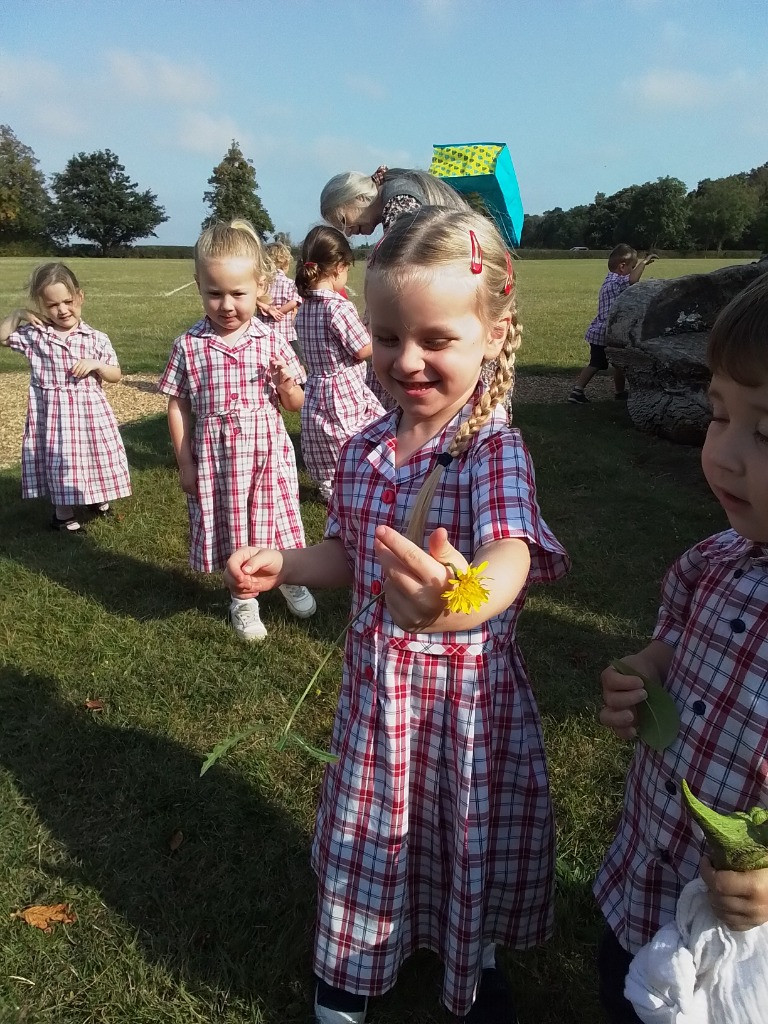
136, 396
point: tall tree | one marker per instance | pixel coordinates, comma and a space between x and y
233, 193
24, 202
96, 200
722, 209
658, 215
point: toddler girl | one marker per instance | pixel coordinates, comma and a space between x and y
434, 829
72, 451
280, 312
335, 345
226, 377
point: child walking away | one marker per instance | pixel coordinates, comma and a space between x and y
280, 313
434, 828
624, 269
335, 345
72, 451
710, 653
226, 377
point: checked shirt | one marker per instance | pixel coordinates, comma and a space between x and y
434, 829
282, 290
337, 401
714, 613
72, 451
610, 290
247, 485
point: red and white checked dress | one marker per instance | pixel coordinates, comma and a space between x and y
337, 402
434, 829
714, 613
72, 451
283, 290
247, 484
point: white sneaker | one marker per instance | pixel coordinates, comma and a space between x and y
246, 621
299, 600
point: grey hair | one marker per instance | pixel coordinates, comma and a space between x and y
352, 188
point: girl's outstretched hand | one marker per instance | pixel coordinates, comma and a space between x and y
250, 571
621, 695
415, 579
83, 367
738, 898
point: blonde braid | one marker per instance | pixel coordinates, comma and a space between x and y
501, 384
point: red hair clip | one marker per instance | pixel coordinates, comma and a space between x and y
476, 262
308, 264
510, 274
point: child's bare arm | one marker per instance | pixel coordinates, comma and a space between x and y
251, 571
290, 393
111, 374
288, 307
622, 693
637, 271
180, 429
10, 323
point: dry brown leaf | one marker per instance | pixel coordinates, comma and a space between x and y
45, 918
95, 704
175, 840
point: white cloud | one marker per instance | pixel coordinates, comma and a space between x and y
673, 90
365, 86
209, 134
152, 76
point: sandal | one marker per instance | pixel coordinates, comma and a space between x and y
102, 509
68, 525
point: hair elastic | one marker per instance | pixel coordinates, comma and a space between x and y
510, 273
445, 459
476, 263
378, 175
309, 265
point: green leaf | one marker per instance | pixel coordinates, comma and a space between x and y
226, 745
319, 755
658, 720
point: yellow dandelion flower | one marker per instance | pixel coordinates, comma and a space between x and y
468, 593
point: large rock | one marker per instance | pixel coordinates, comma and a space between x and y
658, 331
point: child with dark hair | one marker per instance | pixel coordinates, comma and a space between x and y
710, 653
335, 345
624, 269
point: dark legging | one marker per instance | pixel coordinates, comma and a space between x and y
613, 963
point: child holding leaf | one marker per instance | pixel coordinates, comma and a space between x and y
709, 653
434, 828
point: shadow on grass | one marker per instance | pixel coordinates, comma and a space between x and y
229, 912
120, 583
148, 444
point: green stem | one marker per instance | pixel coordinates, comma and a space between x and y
287, 727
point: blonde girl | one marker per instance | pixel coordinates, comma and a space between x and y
335, 345
284, 300
226, 378
72, 451
434, 829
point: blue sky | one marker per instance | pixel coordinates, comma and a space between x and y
590, 95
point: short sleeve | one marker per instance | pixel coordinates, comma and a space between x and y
337, 525
349, 329
175, 381
504, 504
105, 353
21, 341
678, 589
285, 353
396, 207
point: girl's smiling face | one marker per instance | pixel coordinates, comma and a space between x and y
429, 341
61, 307
229, 290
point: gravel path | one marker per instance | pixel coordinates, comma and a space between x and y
136, 397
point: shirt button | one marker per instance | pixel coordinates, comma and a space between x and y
670, 787
664, 857
738, 625
375, 587
368, 673
388, 496
738, 573
699, 707
234, 396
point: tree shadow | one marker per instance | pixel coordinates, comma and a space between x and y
148, 444
229, 912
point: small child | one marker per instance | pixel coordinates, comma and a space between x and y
710, 652
336, 345
72, 451
226, 377
624, 269
434, 829
284, 300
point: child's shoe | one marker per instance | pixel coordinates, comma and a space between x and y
299, 601
102, 509
332, 1006
245, 619
578, 397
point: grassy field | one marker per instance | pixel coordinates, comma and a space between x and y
194, 896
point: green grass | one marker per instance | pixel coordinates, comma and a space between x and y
220, 930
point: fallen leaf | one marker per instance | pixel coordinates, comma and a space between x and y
95, 704
45, 918
176, 840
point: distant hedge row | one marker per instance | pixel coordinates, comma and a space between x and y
136, 252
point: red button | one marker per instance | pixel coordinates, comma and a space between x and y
388, 496
368, 673
234, 397
375, 587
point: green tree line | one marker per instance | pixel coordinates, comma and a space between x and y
94, 199
730, 212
